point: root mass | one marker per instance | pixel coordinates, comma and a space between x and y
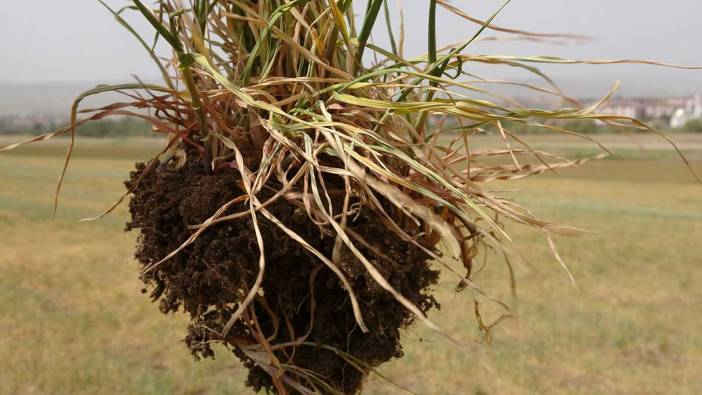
302, 313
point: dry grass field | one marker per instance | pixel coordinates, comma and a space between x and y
73, 319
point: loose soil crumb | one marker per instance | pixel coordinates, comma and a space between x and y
300, 295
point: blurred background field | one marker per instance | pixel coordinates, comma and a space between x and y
73, 319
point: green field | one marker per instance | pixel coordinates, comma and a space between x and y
73, 319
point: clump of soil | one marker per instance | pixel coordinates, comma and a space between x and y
300, 296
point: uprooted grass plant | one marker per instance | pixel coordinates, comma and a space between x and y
306, 196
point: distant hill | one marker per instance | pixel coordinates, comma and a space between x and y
55, 98
52, 98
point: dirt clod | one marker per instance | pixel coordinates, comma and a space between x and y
300, 297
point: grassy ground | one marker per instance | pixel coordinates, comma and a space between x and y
74, 321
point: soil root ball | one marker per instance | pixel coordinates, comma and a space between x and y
300, 299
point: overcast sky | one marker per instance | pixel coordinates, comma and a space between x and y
77, 40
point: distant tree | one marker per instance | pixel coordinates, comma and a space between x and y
693, 125
584, 127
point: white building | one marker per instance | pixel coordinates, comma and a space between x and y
692, 109
676, 111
